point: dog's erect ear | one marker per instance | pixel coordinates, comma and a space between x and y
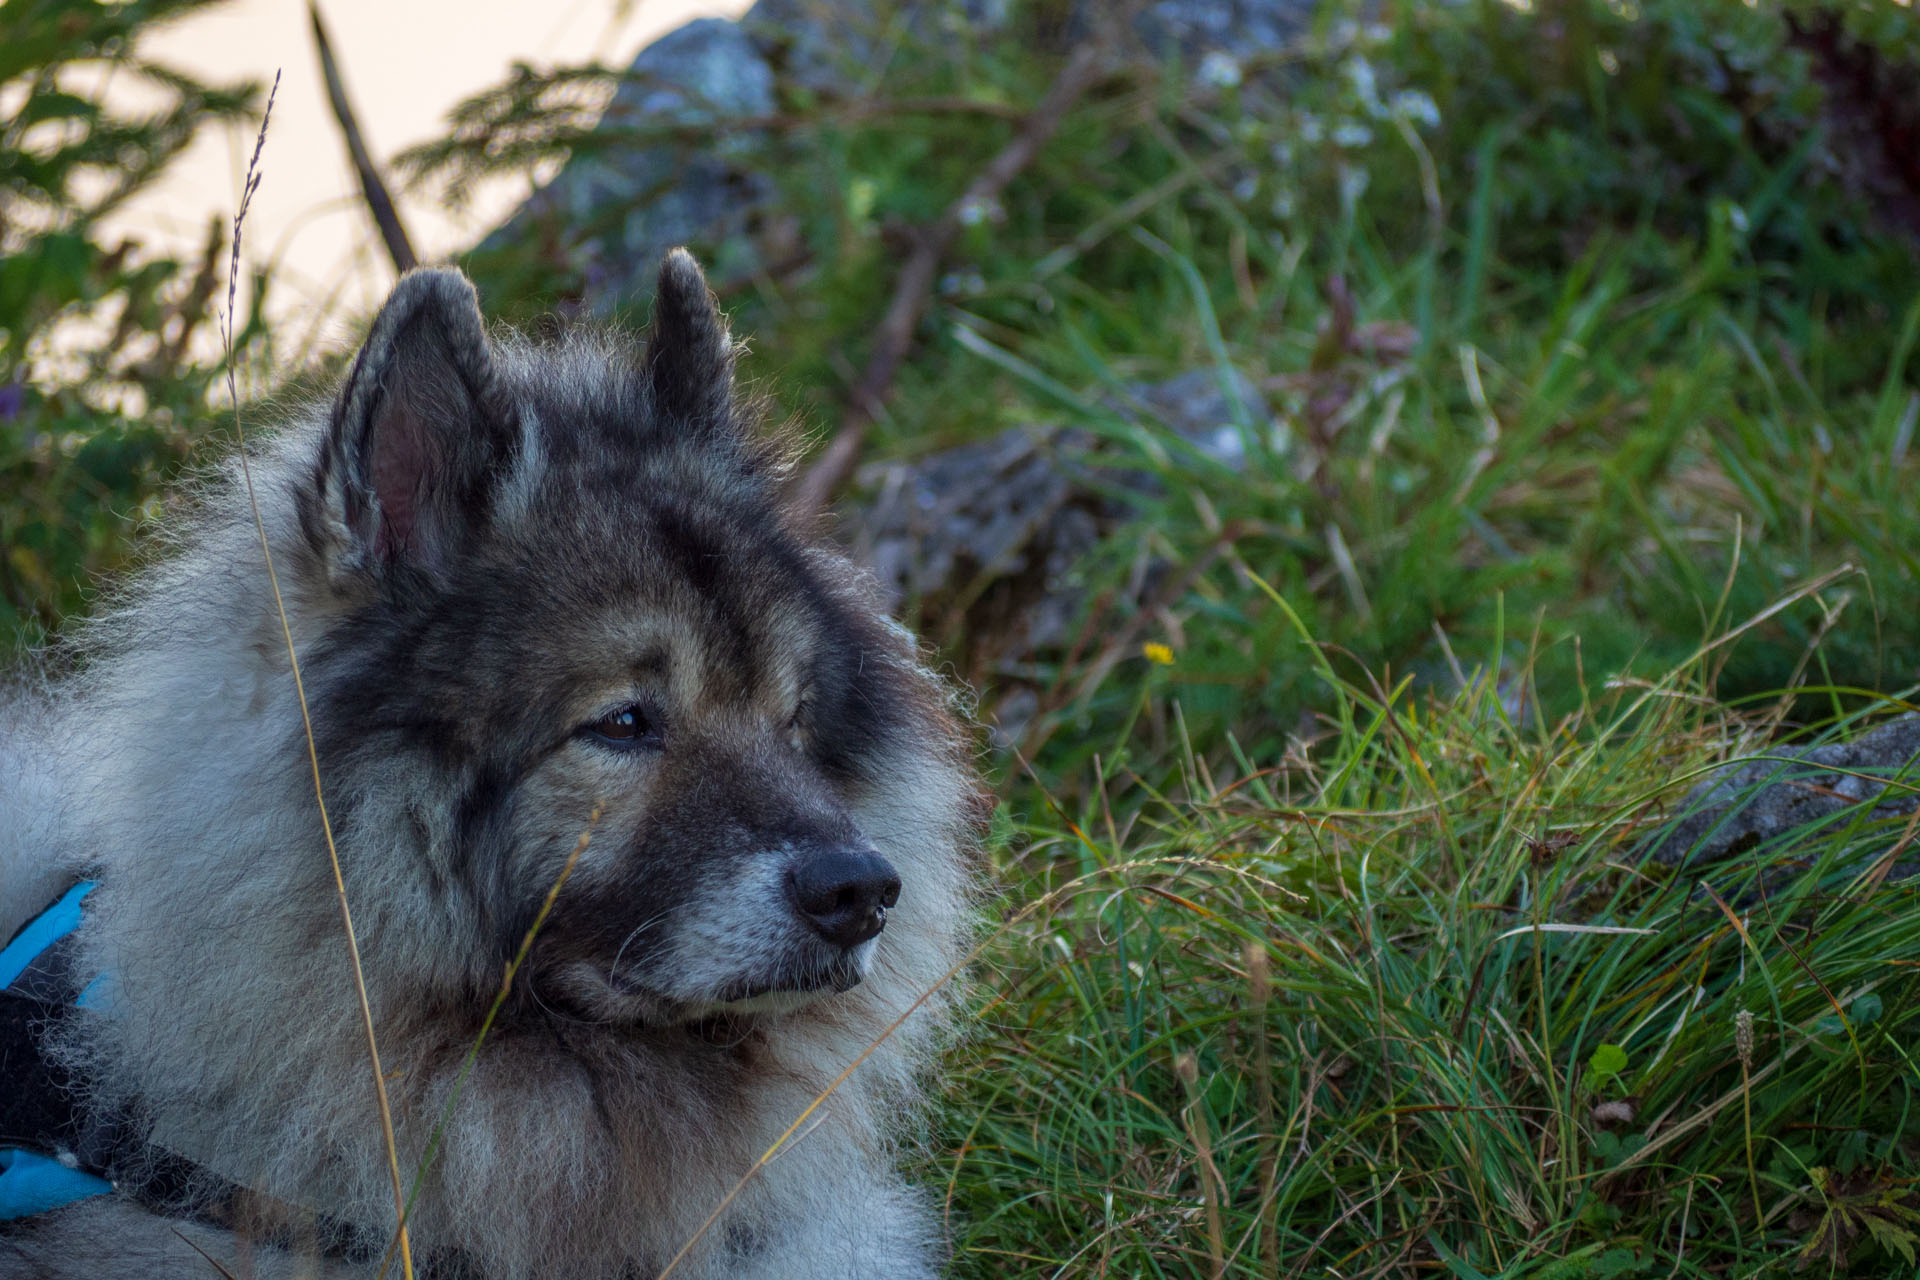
689, 356
419, 430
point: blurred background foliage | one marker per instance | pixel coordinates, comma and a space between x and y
1576, 318
103, 388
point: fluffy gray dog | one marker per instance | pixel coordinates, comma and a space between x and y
527, 580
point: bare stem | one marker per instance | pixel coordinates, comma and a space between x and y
486, 1026
915, 285
372, 187
1188, 1070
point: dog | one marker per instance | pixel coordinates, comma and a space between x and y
553, 627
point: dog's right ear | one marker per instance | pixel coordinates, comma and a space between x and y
689, 362
418, 434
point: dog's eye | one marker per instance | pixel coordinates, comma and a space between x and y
627, 727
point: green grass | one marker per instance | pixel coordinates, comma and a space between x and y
1463, 958
1564, 395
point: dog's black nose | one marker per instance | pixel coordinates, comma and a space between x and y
845, 894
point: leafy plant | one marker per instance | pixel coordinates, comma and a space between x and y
102, 382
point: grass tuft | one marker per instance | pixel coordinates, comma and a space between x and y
1409, 1000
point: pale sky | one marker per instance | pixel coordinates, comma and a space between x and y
406, 63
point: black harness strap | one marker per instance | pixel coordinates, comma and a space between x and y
37, 1109
40, 1110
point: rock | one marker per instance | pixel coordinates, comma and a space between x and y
1012, 514
714, 193
1210, 411
648, 199
1237, 28
986, 535
1782, 805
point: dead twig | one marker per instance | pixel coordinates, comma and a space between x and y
915, 285
1260, 991
211, 1260
372, 187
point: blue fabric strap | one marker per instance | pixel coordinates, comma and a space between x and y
53, 1154
45, 929
32, 1183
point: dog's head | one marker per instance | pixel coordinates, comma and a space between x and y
555, 580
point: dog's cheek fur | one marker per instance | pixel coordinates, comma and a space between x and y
683, 892
182, 782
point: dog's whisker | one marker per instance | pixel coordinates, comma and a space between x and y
613, 969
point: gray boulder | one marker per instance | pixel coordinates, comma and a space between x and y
713, 190
986, 535
639, 201
1789, 802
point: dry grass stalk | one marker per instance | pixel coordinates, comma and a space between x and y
1188, 1070
1260, 992
248, 187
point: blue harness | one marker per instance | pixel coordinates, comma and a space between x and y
54, 1153
41, 1134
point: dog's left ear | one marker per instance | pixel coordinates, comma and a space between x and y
419, 431
689, 355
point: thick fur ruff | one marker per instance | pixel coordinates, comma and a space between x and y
499, 557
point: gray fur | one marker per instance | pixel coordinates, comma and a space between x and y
585, 527
30, 876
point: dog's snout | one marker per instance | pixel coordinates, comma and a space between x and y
844, 894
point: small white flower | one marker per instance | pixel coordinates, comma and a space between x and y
1418, 106
965, 283
1220, 70
1365, 86
1353, 183
975, 210
1351, 133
